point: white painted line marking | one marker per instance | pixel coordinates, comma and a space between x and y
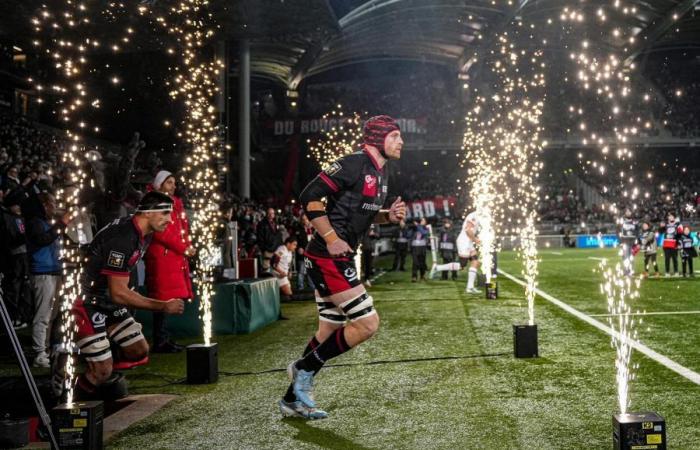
556, 253
597, 259
659, 358
653, 313
374, 278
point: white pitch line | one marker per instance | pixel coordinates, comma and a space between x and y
556, 253
653, 313
659, 358
597, 259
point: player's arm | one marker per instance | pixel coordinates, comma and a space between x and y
121, 294
335, 178
276, 258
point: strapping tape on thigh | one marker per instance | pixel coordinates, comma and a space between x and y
126, 333
359, 307
328, 312
95, 347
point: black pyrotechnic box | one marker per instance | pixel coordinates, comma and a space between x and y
202, 363
525, 341
78, 426
642, 430
491, 289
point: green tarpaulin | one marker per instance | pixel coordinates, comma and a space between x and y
238, 307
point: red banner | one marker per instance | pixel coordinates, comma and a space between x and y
431, 207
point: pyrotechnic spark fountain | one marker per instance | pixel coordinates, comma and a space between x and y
341, 137
528, 246
608, 81
195, 85
618, 290
502, 144
66, 38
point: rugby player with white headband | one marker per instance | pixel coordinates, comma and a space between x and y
102, 311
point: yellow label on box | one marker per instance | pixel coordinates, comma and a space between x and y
647, 425
80, 423
654, 439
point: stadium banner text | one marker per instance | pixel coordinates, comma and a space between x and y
594, 240
314, 126
430, 207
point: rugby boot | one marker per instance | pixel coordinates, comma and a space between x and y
433, 272
297, 409
303, 385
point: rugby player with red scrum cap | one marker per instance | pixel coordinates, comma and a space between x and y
355, 187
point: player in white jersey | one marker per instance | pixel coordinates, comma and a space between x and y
281, 262
466, 249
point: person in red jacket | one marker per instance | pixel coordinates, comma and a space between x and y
167, 269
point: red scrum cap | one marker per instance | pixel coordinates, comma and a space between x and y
375, 130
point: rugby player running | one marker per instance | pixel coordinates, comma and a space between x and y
355, 187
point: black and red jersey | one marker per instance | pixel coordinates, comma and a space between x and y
114, 251
355, 187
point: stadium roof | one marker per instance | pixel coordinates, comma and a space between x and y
293, 39
446, 32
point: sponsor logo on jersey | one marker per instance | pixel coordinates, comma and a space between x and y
350, 274
333, 169
98, 319
370, 187
371, 206
116, 259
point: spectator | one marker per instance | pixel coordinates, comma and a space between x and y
269, 237
419, 246
368, 241
649, 246
15, 280
305, 232
688, 252
45, 267
11, 180
671, 231
402, 236
167, 268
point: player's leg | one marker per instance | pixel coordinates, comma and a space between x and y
126, 333
472, 274
347, 299
94, 348
285, 287
330, 319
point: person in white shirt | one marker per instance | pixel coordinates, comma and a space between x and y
466, 250
282, 262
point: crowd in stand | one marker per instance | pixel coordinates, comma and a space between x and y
32, 173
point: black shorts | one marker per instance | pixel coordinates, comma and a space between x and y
91, 319
332, 275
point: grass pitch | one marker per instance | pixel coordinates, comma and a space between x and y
440, 373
